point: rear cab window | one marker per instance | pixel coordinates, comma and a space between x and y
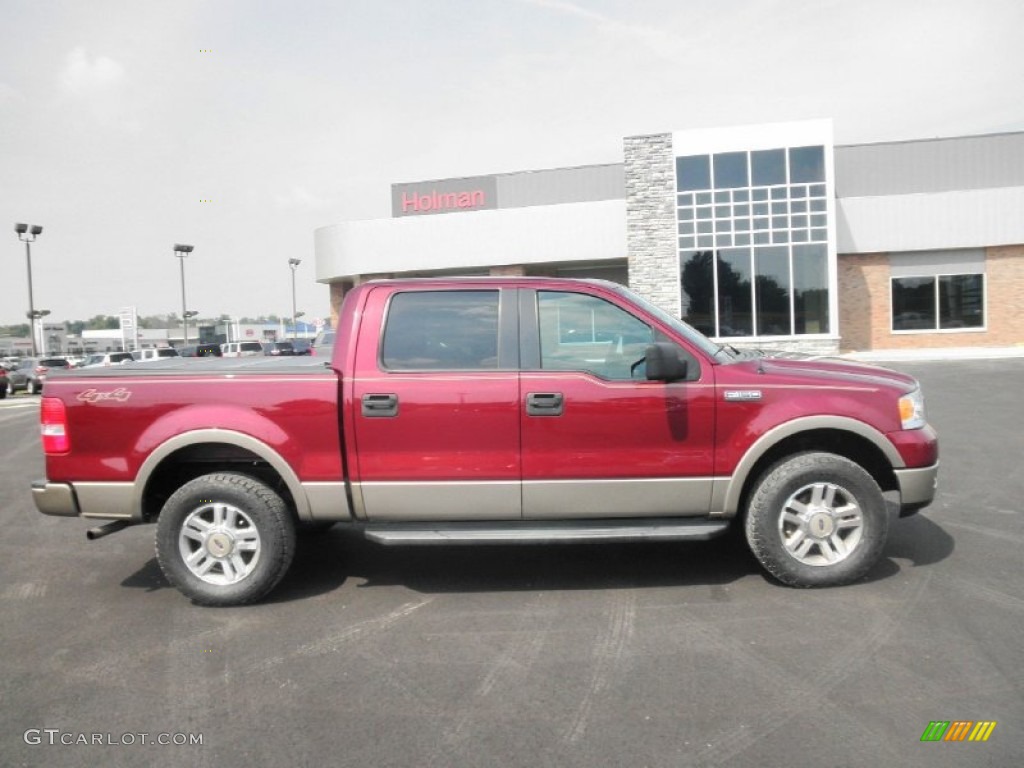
455, 330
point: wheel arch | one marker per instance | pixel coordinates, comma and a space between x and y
189, 455
852, 439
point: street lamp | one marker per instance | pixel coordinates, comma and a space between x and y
27, 234
181, 251
294, 263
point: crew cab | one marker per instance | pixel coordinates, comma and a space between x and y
491, 410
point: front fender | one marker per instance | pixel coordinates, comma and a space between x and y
728, 491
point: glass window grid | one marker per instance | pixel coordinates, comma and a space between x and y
782, 220
764, 218
756, 210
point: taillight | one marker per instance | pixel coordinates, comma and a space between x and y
41, 369
53, 418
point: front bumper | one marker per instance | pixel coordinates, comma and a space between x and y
917, 487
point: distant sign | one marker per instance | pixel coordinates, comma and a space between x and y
250, 332
420, 198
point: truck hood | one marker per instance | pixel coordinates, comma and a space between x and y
832, 369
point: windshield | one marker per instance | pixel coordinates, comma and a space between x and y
688, 332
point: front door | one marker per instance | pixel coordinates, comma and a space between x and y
599, 440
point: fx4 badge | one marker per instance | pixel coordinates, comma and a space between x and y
742, 395
95, 396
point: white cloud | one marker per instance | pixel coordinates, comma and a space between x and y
85, 76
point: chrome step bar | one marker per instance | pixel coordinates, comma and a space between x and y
542, 532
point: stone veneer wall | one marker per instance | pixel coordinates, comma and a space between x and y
651, 240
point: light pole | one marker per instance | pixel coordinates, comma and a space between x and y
181, 251
36, 316
27, 234
294, 263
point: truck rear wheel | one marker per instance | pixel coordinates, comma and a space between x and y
225, 539
817, 520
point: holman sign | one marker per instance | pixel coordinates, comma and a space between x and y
448, 196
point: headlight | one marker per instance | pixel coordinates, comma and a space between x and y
912, 410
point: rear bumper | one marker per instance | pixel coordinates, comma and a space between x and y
55, 499
917, 487
106, 501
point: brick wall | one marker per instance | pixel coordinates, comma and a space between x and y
1005, 293
863, 299
865, 313
651, 238
508, 270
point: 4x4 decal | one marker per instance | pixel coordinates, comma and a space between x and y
94, 396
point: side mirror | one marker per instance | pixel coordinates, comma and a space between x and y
664, 362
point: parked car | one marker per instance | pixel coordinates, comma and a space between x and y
31, 373
160, 353
201, 350
106, 359
323, 344
241, 349
277, 348
302, 346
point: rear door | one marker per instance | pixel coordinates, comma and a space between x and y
435, 405
599, 440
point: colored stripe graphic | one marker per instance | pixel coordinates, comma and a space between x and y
958, 730
982, 730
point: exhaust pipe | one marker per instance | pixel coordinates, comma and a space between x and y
105, 530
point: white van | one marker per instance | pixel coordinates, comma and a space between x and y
145, 355
241, 349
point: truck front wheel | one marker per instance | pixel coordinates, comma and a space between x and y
225, 539
817, 520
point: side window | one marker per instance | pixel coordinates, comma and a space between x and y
441, 330
585, 333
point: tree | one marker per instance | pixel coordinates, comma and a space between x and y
102, 323
21, 329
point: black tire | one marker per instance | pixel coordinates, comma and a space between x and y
238, 536
5, 390
817, 520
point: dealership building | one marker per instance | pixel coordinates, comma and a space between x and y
768, 235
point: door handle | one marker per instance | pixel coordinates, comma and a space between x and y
382, 405
544, 404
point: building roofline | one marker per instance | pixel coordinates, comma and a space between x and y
932, 139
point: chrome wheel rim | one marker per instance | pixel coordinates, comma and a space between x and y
219, 544
821, 524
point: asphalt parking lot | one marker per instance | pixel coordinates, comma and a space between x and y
611, 655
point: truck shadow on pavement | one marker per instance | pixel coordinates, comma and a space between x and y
326, 561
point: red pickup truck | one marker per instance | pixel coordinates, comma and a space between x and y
491, 410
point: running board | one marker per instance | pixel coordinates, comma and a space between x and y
542, 532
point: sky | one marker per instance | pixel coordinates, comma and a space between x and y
241, 126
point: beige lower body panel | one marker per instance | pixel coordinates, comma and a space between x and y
535, 500
327, 501
108, 501
660, 497
498, 500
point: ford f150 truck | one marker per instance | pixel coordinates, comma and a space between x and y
491, 410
